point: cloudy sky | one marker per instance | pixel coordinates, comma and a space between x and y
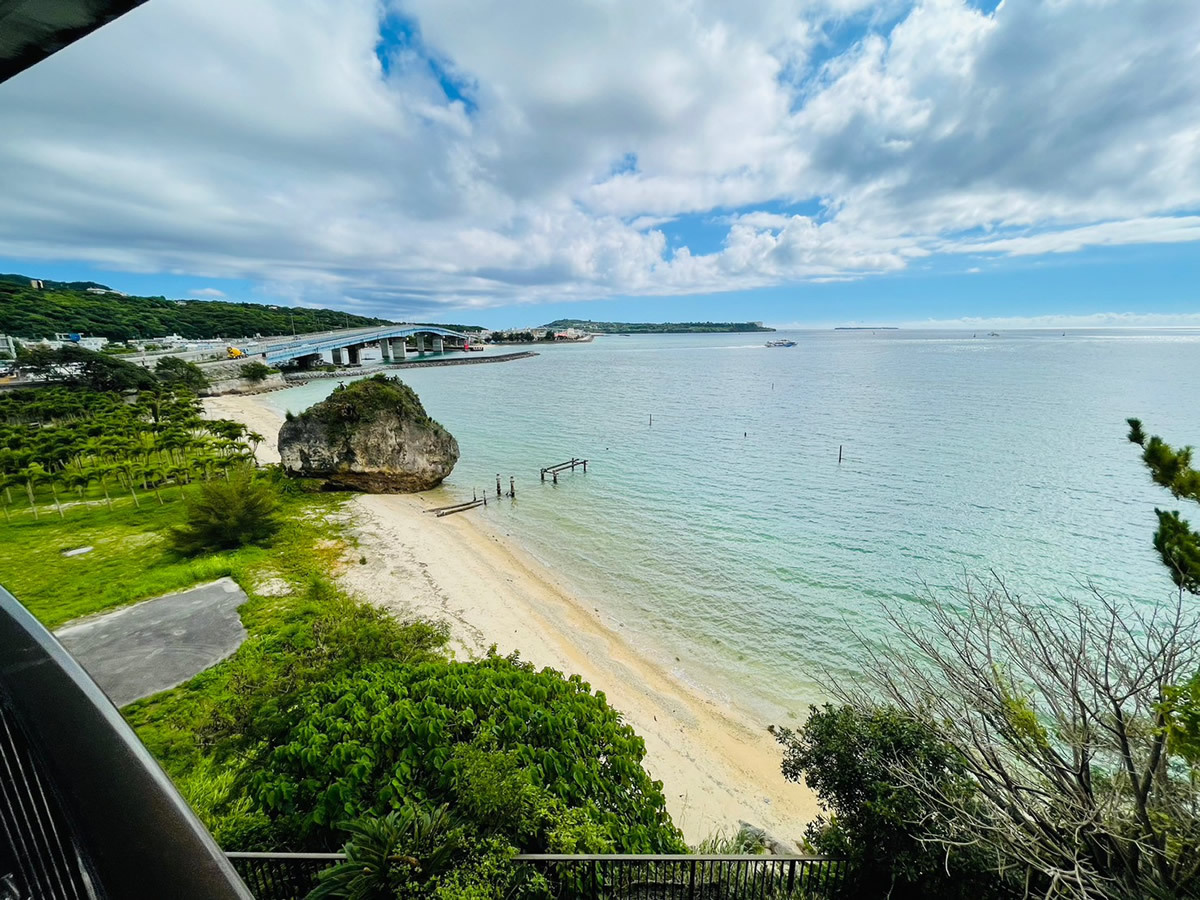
509, 161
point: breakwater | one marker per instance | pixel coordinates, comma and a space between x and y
358, 371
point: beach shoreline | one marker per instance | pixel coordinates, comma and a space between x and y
717, 767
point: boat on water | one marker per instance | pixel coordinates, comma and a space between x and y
781, 343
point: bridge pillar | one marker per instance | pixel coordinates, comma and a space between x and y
307, 362
399, 349
338, 357
385, 350
438, 346
420, 345
353, 354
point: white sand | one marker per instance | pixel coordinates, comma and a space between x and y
716, 769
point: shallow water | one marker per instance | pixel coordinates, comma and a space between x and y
725, 539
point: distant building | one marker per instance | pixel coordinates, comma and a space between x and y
8, 347
106, 291
95, 344
36, 283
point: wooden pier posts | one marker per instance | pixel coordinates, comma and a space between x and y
497, 484
558, 467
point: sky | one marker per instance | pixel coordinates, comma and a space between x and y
508, 162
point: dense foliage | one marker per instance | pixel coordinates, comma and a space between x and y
31, 313
361, 401
171, 371
256, 371
57, 439
488, 737
848, 757
71, 364
655, 327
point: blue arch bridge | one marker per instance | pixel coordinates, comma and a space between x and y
395, 342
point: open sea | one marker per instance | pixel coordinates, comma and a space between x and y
726, 541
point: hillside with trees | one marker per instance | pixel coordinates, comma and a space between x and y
30, 312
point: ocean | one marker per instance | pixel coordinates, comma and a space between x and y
727, 542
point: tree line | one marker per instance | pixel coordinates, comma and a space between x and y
41, 313
76, 444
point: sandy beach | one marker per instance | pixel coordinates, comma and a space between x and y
717, 769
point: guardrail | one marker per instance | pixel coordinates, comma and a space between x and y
290, 876
85, 812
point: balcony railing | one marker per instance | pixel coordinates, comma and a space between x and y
290, 876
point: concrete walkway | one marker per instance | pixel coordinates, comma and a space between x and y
154, 645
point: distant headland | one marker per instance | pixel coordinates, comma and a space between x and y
588, 325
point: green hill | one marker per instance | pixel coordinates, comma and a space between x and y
29, 312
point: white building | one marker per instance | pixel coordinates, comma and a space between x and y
95, 344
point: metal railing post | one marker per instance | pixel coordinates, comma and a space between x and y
692, 881
791, 877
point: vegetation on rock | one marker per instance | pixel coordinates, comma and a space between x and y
256, 371
371, 435
171, 371
364, 401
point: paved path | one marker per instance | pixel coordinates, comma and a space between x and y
154, 645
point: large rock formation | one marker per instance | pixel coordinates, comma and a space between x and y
373, 435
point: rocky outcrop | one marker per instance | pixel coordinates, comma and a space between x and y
228, 376
372, 435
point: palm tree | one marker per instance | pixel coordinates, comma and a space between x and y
130, 470
102, 471
32, 474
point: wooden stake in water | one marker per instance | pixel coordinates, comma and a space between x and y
498, 483
652, 420
512, 488
839, 454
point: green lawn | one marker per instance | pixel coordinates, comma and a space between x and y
129, 561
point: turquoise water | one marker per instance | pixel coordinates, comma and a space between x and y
726, 540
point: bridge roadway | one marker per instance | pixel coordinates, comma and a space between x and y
344, 345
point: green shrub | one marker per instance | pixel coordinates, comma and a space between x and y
532, 756
361, 401
226, 514
172, 371
256, 371
850, 757
329, 635
399, 852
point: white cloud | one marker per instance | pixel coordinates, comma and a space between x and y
260, 140
207, 293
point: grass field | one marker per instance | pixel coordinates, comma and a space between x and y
129, 560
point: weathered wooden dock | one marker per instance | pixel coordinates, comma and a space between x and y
453, 508
571, 463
